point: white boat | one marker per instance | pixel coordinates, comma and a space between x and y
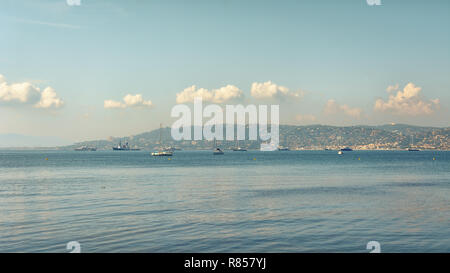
412, 147
162, 151
238, 148
340, 153
281, 148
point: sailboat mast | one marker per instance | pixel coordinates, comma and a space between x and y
160, 134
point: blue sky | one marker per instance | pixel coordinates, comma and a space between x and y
328, 62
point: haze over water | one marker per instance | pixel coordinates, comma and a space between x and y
296, 201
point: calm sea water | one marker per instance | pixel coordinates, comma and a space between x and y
239, 202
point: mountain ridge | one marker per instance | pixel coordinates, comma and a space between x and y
365, 137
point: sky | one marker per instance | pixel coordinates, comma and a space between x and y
115, 68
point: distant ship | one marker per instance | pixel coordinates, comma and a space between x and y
342, 150
86, 148
167, 151
281, 148
124, 147
217, 150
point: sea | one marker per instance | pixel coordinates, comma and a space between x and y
194, 201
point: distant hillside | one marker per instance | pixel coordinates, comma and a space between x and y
303, 137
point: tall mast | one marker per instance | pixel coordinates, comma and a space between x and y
160, 132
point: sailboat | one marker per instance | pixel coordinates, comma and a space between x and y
411, 147
239, 149
161, 151
217, 150
342, 150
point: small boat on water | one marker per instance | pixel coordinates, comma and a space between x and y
167, 151
217, 150
340, 153
162, 153
412, 147
281, 148
238, 148
85, 149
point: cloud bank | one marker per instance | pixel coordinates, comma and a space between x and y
407, 102
221, 95
128, 101
269, 90
26, 93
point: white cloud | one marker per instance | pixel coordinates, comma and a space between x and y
49, 99
407, 102
333, 108
26, 93
269, 89
391, 88
128, 101
136, 100
220, 95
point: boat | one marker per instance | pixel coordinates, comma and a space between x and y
340, 153
239, 149
217, 150
162, 153
85, 148
281, 148
412, 148
346, 149
124, 147
167, 151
